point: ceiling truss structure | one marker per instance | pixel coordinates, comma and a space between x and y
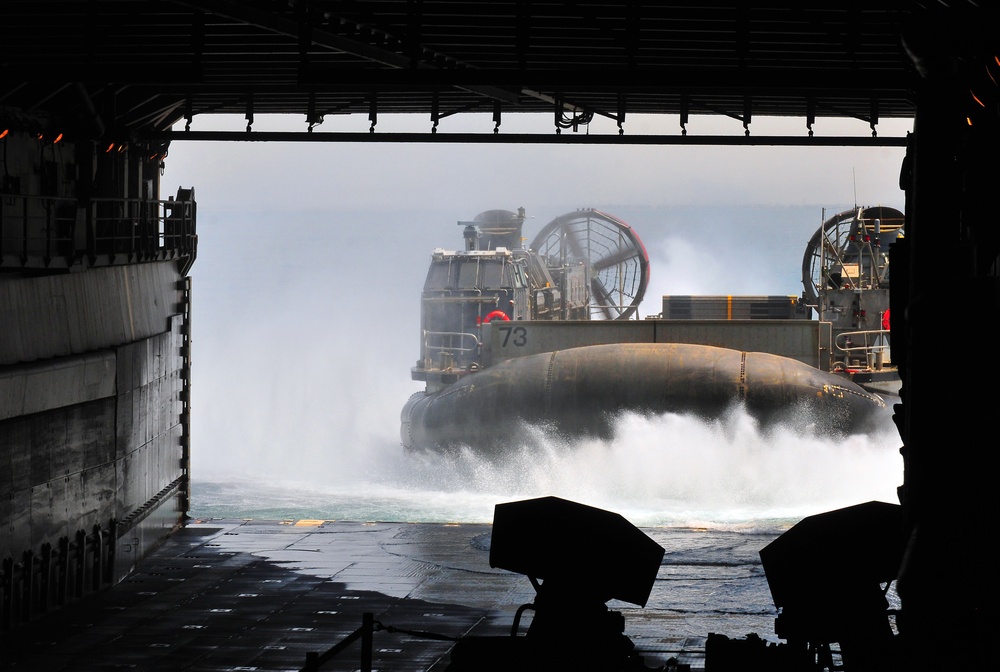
147, 66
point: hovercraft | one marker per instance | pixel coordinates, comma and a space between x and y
544, 336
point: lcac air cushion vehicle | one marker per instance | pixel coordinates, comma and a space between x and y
516, 337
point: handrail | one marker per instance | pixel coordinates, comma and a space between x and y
56, 232
875, 347
462, 336
463, 298
368, 627
314, 659
866, 347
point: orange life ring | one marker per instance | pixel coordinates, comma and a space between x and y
496, 315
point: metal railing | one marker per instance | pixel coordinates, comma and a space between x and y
445, 350
314, 659
450, 337
143, 229
56, 232
871, 346
37, 227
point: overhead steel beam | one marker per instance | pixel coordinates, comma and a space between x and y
532, 138
760, 81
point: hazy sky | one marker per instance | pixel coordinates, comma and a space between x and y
311, 256
463, 178
714, 219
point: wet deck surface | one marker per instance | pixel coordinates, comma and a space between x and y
256, 595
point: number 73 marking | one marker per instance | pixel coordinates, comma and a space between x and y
520, 336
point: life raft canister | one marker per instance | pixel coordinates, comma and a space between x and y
496, 315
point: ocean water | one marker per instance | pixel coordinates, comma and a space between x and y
302, 358
659, 471
306, 314
711, 493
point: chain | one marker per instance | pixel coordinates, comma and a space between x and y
378, 626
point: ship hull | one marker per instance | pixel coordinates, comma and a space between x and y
580, 392
93, 428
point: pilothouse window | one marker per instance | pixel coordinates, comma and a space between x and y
492, 275
468, 273
474, 273
439, 276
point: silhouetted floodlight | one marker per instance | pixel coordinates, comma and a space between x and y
829, 574
816, 557
583, 557
581, 548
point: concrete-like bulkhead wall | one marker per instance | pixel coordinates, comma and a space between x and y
75, 313
93, 404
